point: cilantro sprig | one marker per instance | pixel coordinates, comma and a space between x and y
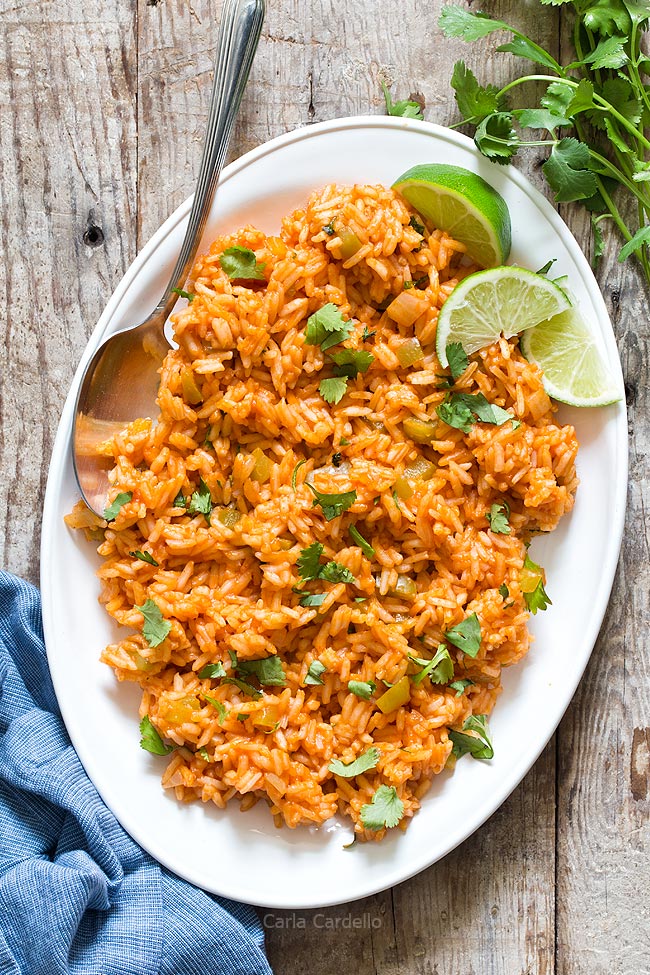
332, 505
593, 116
463, 410
477, 743
310, 566
150, 740
384, 810
155, 628
240, 264
407, 108
364, 763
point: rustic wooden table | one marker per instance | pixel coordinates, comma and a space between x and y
102, 117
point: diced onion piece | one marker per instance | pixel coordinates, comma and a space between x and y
395, 697
404, 587
350, 243
262, 469
229, 516
421, 431
410, 352
191, 392
403, 489
420, 470
406, 308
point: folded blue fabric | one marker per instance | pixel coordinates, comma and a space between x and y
77, 895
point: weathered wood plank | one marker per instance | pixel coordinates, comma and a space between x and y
603, 826
69, 157
67, 216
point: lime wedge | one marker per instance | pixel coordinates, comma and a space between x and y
500, 301
574, 370
462, 204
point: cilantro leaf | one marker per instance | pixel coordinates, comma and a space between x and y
582, 99
335, 572
478, 745
547, 267
619, 94
456, 22
144, 557
212, 671
220, 707
538, 598
114, 508
365, 546
316, 669
363, 689
496, 138
333, 505
456, 414
204, 754
609, 53
269, 671
498, 518
309, 566
313, 599
460, 685
333, 390
385, 810
504, 591
606, 16
522, 47
350, 362
155, 629
150, 740
540, 118
326, 327
457, 359
634, 246
439, 670
566, 170
405, 108
201, 501
367, 334
557, 97
474, 101
417, 226
309, 561
363, 763
180, 501
462, 410
183, 294
244, 687
466, 635
240, 263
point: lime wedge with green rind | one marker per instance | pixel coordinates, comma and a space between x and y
574, 370
499, 301
462, 204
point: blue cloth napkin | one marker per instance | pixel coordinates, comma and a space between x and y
77, 895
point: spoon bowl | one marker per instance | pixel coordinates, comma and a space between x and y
120, 383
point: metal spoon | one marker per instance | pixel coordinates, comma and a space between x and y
121, 380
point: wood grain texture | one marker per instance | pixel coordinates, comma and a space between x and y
108, 135
67, 207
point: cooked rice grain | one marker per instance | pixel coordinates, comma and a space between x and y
229, 585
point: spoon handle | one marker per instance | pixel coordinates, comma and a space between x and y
239, 33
